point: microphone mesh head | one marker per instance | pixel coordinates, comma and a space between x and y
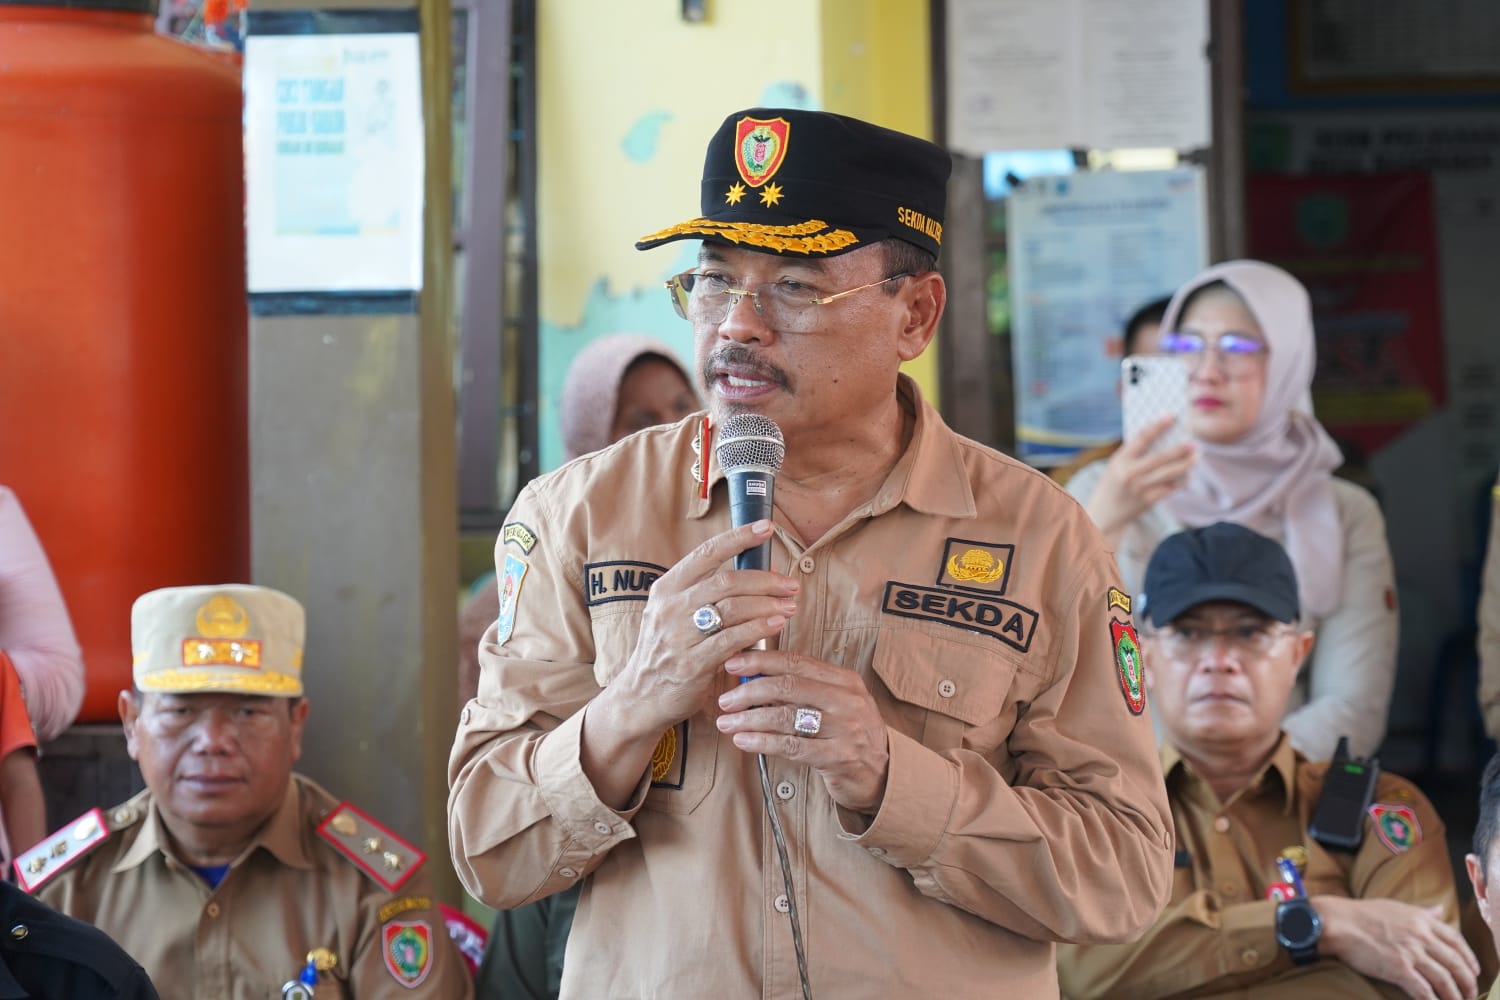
749, 440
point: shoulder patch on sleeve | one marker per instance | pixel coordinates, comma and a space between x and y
373, 849
56, 852
1396, 826
520, 534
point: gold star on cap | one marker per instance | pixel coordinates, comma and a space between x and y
771, 195
735, 193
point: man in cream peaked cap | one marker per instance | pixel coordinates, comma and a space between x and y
231, 875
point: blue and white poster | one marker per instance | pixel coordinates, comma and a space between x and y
1086, 250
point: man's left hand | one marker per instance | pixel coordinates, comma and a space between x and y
849, 749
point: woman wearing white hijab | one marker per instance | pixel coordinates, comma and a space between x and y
1260, 458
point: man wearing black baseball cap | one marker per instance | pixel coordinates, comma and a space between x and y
901, 760
1281, 889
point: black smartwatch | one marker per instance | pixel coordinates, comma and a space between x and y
1298, 928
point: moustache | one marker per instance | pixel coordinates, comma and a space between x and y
743, 360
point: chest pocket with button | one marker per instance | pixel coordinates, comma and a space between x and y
949, 694
689, 755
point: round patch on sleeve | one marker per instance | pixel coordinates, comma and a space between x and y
1128, 663
1396, 826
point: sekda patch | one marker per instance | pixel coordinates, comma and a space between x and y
1000, 619
622, 580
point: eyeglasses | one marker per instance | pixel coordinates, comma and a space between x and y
785, 305
1192, 641
1237, 353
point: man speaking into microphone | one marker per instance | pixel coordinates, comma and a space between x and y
940, 762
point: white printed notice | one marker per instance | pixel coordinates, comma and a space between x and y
333, 162
1085, 251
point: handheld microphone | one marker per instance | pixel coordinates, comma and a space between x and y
750, 451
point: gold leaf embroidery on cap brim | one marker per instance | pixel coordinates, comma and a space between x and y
794, 239
215, 680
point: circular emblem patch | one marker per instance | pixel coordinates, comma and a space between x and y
1128, 661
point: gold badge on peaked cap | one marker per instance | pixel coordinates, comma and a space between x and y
222, 617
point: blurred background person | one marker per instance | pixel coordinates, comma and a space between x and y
1142, 335
1489, 624
1260, 905
21, 804
1260, 458
37, 636
617, 385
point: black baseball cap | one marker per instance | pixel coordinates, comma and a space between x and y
815, 184
1222, 562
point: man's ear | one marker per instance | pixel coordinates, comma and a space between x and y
130, 713
299, 721
925, 298
1475, 868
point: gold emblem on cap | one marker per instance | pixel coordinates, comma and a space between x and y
771, 195
222, 617
344, 824
976, 566
1297, 855
735, 193
322, 959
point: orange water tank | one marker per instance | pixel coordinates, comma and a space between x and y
123, 355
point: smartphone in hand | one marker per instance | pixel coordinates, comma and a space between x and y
1153, 386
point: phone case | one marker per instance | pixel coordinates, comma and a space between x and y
1153, 386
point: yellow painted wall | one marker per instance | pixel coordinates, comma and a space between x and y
628, 95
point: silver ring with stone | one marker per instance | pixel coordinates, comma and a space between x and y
707, 619
807, 721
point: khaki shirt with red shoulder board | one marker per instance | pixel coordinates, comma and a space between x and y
316, 877
1217, 937
977, 601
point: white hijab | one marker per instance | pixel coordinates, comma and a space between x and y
1277, 478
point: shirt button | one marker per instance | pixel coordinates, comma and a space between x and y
785, 790
878, 852
947, 688
1250, 956
782, 906
603, 828
567, 872
807, 564
212, 909
1221, 824
464, 717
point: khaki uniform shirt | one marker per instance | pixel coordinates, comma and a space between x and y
1024, 801
1489, 625
1217, 937
290, 892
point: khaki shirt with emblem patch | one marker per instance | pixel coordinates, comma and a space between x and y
291, 891
1217, 937
1024, 802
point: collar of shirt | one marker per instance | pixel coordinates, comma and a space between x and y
929, 477
282, 835
1283, 761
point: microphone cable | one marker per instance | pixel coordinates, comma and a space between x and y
779, 836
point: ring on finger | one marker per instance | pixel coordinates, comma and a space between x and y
707, 619
807, 721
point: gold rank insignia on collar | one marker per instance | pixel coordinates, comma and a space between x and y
372, 848
38, 865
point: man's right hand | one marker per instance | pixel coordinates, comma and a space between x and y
674, 668
1135, 478
1410, 946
